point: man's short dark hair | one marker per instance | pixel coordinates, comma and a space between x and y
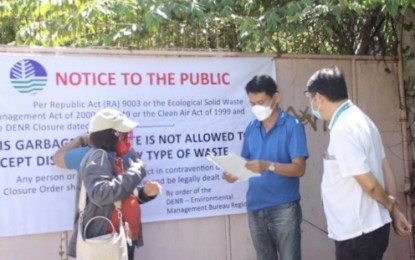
105, 139
262, 83
329, 82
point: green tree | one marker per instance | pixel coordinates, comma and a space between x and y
308, 26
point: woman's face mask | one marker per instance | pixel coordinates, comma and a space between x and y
123, 144
262, 112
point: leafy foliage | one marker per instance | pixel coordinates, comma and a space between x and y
307, 26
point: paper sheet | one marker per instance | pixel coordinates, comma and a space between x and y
232, 164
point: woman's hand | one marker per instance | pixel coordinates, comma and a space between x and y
152, 188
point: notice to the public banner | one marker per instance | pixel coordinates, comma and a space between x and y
186, 107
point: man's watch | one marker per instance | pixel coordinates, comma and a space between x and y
393, 201
271, 167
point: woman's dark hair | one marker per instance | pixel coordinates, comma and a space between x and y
105, 139
262, 83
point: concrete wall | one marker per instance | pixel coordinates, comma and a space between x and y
373, 85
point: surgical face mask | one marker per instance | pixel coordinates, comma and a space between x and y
262, 112
123, 144
315, 112
122, 147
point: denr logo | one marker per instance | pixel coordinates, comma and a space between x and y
28, 76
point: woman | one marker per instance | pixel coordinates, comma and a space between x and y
107, 181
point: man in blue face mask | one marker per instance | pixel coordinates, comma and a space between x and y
358, 187
275, 147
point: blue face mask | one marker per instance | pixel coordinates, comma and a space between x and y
315, 112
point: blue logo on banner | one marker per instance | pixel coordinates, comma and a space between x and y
28, 76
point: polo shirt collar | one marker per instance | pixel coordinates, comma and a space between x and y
346, 104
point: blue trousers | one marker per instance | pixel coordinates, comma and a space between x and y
276, 232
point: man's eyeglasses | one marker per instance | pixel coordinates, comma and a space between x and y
309, 95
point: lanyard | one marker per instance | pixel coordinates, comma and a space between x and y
343, 108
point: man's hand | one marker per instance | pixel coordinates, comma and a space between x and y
399, 222
229, 177
257, 166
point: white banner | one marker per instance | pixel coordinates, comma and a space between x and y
186, 107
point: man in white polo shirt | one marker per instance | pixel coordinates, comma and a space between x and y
358, 187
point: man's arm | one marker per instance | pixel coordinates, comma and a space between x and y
59, 157
400, 224
294, 169
371, 186
297, 144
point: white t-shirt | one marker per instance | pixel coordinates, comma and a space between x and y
355, 148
